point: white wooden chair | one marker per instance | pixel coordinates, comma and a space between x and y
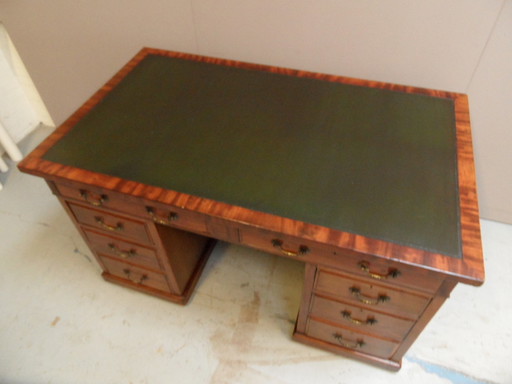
10, 147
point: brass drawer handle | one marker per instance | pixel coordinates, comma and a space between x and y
128, 274
276, 243
173, 216
96, 202
368, 300
348, 315
100, 221
120, 253
352, 345
365, 267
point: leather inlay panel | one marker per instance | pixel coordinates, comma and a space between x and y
375, 162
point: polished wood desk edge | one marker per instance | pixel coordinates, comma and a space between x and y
468, 270
468, 196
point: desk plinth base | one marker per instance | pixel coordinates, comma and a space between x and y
374, 360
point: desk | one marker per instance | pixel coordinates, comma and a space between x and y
370, 184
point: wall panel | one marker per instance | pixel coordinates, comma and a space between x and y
71, 48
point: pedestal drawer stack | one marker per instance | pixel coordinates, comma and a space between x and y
136, 249
369, 310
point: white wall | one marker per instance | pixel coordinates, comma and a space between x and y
490, 92
72, 47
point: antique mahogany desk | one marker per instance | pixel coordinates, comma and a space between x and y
371, 185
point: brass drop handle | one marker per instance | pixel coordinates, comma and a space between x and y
120, 253
352, 345
128, 274
365, 267
96, 202
173, 216
276, 243
368, 300
101, 222
347, 315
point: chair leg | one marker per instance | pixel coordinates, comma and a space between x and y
3, 165
9, 145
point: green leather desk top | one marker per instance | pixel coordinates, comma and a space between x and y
370, 161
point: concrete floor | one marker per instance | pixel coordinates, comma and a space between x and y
61, 323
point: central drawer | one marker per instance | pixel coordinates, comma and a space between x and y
176, 217
279, 244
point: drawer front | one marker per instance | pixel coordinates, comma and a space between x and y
113, 224
387, 271
279, 244
160, 214
136, 275
100, 198
114, 247
360, 318
371, 296
176, 217
355, 263
349, 339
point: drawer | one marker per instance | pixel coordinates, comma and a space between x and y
139, 276
370, 295
360, 318
176, 217
279, 244
346, 338
159, 213
380, 270
100, 198
111, 223
133, 253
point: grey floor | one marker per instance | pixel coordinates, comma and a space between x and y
61, 323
